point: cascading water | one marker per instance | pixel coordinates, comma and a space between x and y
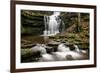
52, 24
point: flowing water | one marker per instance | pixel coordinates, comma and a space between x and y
52, 24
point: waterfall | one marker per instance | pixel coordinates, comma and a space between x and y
52, 24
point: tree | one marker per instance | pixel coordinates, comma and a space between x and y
79, 22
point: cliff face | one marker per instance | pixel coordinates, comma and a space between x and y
31, 23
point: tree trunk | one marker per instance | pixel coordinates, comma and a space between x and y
78, 24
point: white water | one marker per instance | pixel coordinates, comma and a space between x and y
62, 54
52, 24
39, 48
63, 48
